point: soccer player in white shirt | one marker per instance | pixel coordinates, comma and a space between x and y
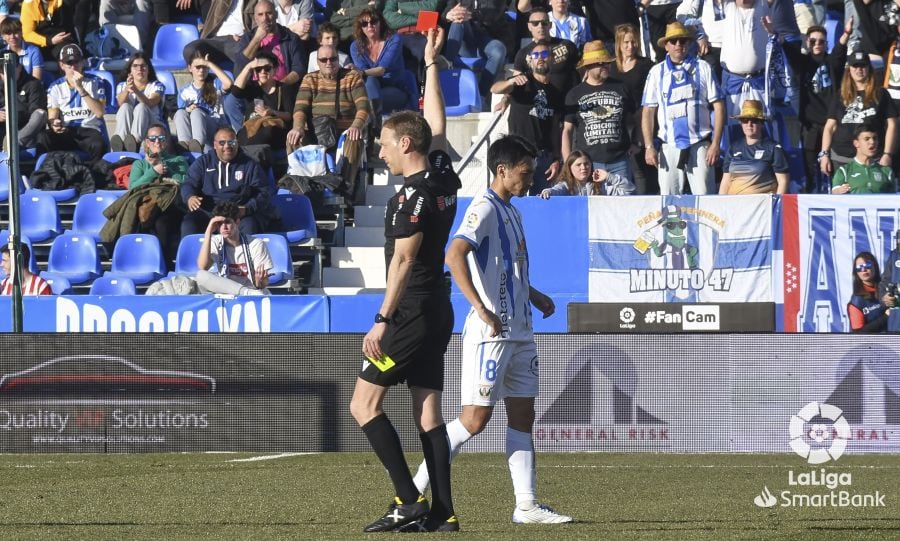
488, 259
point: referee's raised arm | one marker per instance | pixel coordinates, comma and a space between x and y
434, 111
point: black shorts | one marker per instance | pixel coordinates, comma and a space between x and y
416, 341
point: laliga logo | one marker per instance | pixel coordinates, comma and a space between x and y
819, 432
626, 315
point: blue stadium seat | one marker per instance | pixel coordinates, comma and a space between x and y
110, 80
168, 80
73, 257
412, 89
188, 250
460, 88
282, 264
113, 285
113, 157
39, 216
115, 194
58, 284
297, 218
32, 261
170, 42
88, 219
139, 257
474, 63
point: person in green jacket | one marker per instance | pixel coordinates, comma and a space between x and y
161, 165
864, 174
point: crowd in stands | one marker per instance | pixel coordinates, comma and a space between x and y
621, 97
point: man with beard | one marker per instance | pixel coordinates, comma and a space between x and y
535, 110
819, 74
598, 112
563, 51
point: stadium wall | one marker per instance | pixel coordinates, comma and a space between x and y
195, 392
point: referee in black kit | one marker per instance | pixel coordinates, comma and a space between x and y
413, 327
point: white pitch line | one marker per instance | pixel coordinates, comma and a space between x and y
268, 457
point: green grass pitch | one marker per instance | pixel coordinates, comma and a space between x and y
331, 496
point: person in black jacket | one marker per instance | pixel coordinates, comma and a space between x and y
227, 174
479, 28
819, 74
31, 115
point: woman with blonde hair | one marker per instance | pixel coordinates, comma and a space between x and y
632, 70
860, 101
578, 177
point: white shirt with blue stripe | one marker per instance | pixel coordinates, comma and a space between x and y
152, 89
498, 264
191, 94
573, 28
73, 110
684, 116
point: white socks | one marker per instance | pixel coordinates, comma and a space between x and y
520, 456
458, 435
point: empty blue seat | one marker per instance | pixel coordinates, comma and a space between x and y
138, 257
188, 250
460, 88
297, 218
89, 219
58, 284
168, 80
113, 285
474, 63
73, 257
170, 42
109, 82
113, 157
39, 216
282, 264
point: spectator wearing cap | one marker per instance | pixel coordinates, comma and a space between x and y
818, 74
678, 95
31, 106
754, 163
76, 105
864, 174
535, 109
599, 114
859, 101
49, 25
563, 75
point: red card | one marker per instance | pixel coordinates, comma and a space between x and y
427, 21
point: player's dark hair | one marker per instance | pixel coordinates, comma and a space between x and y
816, 28
227, 209
510, 150
413, 125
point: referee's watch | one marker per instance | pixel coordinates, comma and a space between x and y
381, 319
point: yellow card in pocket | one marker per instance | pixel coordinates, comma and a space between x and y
384, 363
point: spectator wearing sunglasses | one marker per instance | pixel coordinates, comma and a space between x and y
161, 166
563, 75
330, 36
678, 96
139, 96
867, 312
271, 37
600, 115
378, 53
754, 163
535, 111
201, 104
266, 102
818, 74
227, 174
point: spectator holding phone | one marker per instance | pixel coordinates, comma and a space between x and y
268, 108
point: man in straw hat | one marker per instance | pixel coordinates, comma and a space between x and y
598, 112
536, 109
754, 163
679, 93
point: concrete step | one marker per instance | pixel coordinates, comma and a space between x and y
364, 236
369, 215
335, 291
358, 257
382, 177
363, 278
379, 195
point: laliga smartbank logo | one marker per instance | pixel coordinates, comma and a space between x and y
822, 424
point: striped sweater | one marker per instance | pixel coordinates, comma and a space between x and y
316, 98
